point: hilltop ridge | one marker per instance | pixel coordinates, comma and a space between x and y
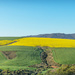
55, 35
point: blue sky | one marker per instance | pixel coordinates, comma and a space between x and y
32, 17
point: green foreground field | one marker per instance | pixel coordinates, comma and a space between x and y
64, 55
25, 56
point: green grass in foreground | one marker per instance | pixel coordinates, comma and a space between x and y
64, 55
2, 58
43, 72
25, 56
12, 68
9, 38
17, 48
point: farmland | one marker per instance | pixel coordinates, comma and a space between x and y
51, 42
31, 53
5, 42
25, 56
9, 38
64, 55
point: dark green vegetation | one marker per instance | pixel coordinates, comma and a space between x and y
16, 72
25, 56
64, 55
63, 70
9, 38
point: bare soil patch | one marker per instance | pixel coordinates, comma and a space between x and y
9, 54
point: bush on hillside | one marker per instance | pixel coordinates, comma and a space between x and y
63, 70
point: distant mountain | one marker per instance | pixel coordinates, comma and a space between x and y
55, 35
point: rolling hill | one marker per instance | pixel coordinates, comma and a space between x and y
36, 53
25, 56
55, 35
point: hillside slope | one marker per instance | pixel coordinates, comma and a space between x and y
25, 56
55, 35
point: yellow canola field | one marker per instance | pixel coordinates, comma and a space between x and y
4, 42
51, 42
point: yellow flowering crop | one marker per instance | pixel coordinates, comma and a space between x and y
4, 42
51, 42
